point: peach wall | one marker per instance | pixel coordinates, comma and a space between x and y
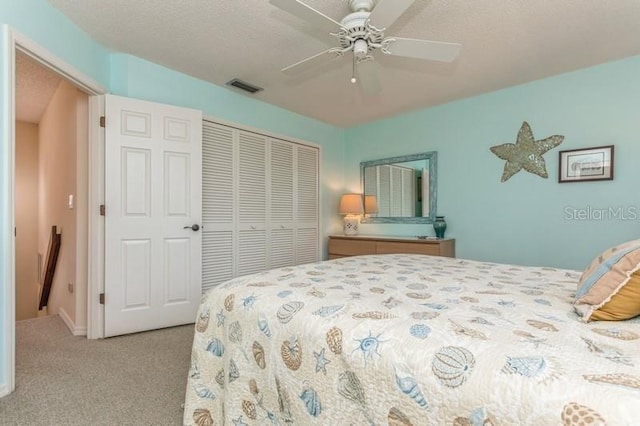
58, 134
26, 214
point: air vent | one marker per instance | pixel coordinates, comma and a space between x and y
243, 85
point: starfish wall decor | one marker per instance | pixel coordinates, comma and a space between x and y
526, 153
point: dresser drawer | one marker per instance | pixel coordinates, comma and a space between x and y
384, 247
351, 247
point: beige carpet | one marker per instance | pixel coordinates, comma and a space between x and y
137, 379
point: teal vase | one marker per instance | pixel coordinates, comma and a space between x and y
439, 226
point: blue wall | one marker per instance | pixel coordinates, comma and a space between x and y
524, 220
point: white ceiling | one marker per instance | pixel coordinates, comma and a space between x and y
35, 86
504, 43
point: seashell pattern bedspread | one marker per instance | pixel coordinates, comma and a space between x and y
408, 340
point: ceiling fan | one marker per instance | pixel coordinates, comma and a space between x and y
362, 32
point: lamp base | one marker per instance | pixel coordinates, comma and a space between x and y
351, 225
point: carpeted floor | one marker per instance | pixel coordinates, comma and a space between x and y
137, 379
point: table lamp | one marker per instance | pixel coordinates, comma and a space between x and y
351, 206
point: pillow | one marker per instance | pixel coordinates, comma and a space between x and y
609, 289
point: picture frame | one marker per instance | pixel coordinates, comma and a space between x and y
586, 164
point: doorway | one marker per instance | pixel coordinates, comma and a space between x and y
51, 136
15, 43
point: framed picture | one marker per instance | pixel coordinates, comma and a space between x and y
586, 164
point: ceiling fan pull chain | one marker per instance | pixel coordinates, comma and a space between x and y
353, 71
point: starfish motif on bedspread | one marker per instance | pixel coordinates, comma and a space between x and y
239, 422
321, 361
526, 153
220, 316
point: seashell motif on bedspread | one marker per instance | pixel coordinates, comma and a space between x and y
316, 293
617, 333
424, 315
574, 414
234, 373
291, 353
258, 354
327, 311
375, 315
453, 365
349, 387
263, 325
311, 401
253, 387
216, 347
235, 332
398, 418
541, 325
620, 379
228, 302
409, 386
220, 378
421, 331
288, 310
418, 295
203, 322
249, 409
284, 403
334, 340
202, 417
466, 331
204, 392
528, 366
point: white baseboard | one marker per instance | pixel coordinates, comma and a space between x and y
76, 331
4, 390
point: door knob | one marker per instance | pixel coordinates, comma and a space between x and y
195, 227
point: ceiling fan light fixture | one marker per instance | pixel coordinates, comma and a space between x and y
360, 48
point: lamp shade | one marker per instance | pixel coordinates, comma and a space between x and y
351, 204
370, 204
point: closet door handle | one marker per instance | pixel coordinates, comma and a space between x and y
195, 227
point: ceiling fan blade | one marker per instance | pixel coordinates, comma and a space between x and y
421, 49
368, 77
387, 12
308, 13
313, 61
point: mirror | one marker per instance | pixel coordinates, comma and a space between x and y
405, 188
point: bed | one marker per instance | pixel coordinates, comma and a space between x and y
408, 340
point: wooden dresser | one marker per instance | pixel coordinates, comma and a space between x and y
343, 245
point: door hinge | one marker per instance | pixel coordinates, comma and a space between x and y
103, 210
102, 298
103, 121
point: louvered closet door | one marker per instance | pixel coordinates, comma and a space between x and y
396, 192
217, 204
306, 193
252, 203
281, 241
384, 185
408, 207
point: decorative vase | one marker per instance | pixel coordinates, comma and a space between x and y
439, 226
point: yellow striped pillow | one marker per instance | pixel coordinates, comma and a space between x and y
609, 289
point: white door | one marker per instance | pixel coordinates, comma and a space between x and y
153, 173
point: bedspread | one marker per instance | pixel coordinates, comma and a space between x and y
408, 340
